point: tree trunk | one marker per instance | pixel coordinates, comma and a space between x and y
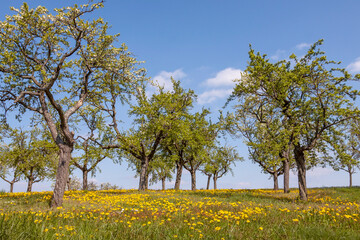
350, 179
301, 167
163, 183
143, 174
30, 183
275, 177
215, 181
12, 187
85, 179
193, 180
179, 169
286, 166
208, 182
69, 184
62, 175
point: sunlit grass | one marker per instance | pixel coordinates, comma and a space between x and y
330, 213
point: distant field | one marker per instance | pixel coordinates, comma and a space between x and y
330, 213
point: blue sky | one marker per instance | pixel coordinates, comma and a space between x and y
204, 43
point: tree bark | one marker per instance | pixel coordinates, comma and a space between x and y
69, 184
179, 169
85, 179
163, 183
350, 179
30, 183
275, 177
143, 174
62, 175
193, 180
301, 167
215, 181
12, 187
286, 166
208, 182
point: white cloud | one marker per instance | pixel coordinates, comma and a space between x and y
212, 95
164, 78
302, 46
224, 78
279, 54
354, 67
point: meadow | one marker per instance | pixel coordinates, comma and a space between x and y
330, 213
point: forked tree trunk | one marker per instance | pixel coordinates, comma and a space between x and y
215, 181
62, 175
301, 167
208, 182
179, 169
275, 177
85, 179
163, 183
143, 174
193, 180
286, 166
30, 183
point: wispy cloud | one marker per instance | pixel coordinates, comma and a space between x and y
279, 54
220, 86
224, 78
354, 67
302, 46
164, 78
212, 95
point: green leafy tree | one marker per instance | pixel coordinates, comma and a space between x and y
31, 155
53, 64
200, 137
346, 149
153, 118
220, 161
88, 151
308, 94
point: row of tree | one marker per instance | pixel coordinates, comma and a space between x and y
68, 72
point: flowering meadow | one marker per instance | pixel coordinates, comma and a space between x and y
330, 213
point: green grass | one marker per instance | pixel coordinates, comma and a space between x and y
330, 213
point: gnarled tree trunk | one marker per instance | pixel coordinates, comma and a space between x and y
193, 180
215, 181
163, 183
30, 183
143, 174
286, 166
208, 182
179, 169
301, 167
62, 175
275, 178
85, 179
12, 187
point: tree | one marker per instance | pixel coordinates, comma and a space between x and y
219, 164
308, 95
53, 64
153, 118
90, 155
200, 137
346, 148
8, 172
30, 155
264, 134
160, 169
